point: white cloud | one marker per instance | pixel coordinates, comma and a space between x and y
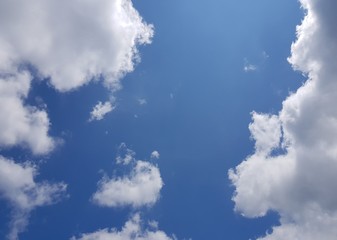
139, 188
72, 42
18, 187
22, 124
293, 170
132, 230
155, 155
312, 225
266, 131
100, 110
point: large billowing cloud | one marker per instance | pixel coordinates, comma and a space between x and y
293, 170
18, 187
141, 187
69, 42
72, 42
132, 230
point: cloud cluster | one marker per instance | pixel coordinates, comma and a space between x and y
293, 169
141, 187
18, 187
132, 230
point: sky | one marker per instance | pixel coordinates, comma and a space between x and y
168, 120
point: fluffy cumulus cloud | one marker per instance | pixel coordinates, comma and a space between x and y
293, 169
18, 187
21, 124
70, 43
141, 187
132, 230
100, 110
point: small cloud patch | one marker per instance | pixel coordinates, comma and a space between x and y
100, 110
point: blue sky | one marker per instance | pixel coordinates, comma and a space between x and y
167, 120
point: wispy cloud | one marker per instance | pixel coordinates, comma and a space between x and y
142, 101
265, 55
125, 155
257, 64
249, 67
